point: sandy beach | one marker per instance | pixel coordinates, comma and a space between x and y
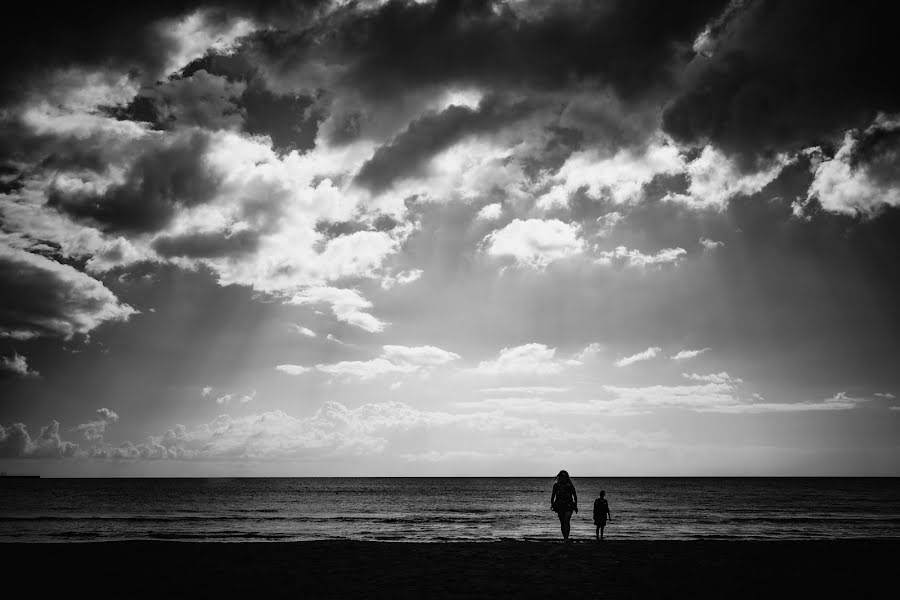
343, 569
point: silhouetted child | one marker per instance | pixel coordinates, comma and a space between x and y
601, 512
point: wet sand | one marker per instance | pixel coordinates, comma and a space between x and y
344, 569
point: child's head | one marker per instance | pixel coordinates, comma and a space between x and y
602, 493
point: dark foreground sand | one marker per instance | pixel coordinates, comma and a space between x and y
610, 569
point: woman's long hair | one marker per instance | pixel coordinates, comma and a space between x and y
563, 477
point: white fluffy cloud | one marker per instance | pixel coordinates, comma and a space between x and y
722, 377
635, 258
393, 360
292, 369
426, 356
94, 430
195, 34
718, 393
620, 177
16, 442
839, 401
363, 370
709, 244
843, 186
256, 222
300, 329
346, 304
227, 399
647, 354
356, 254
334, 431
715, 179
693, 397
535, 405
15, 366
490, 212
401, 278
685, 354
590, 351
557, 197
535, 242
606, 223
527, 359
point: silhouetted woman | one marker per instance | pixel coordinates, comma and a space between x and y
564, 500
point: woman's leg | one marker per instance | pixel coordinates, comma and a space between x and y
564, 518
601, 532
597, 533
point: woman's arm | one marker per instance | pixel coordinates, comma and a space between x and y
575, 497
553, 495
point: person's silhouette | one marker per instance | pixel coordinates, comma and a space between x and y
564, 500
601, 511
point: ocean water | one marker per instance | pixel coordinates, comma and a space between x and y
442, 509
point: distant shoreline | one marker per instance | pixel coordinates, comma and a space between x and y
491, 477
579, 541
611, 569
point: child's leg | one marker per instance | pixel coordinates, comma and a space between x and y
597, 533
601, 532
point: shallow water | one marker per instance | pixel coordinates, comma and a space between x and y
443, 509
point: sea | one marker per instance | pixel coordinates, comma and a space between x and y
443, 509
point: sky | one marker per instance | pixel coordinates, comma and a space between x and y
467, 237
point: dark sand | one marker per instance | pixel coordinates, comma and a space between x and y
610, 569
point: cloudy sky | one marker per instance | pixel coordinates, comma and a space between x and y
462, 237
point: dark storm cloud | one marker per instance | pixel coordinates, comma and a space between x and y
10, 179
42, 297
207, 244
284, 118
409, 152
780, 76
21, 146
234, 67
201, 100
96, 34
404, 45
164, 178
214, 93
115, 35
334, 229
141, 109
